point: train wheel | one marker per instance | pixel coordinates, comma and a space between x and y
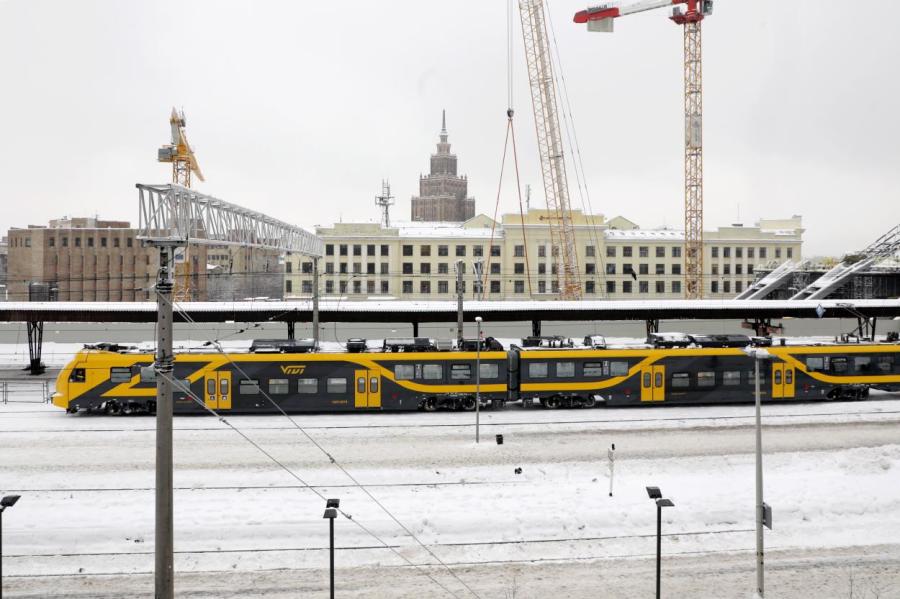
429, 405
551, 403
468, 404
588, 402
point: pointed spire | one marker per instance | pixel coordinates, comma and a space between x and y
444, 121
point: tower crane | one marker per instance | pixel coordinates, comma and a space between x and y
553, 168
184, 164
601, 18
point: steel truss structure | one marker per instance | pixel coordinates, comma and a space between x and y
177, 215
693, 162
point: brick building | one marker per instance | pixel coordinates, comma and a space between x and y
442, 192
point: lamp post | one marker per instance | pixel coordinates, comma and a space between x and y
763, 514
8, 501
655, 494
477, 378
331, 506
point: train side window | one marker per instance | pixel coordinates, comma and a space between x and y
706, 379
731, 377
248, 387
814, 363
307, 386
336, 385
537, 370
404, 372
432, 372
596, 369
279, 386
119, 374
862, 363
885, 363
618, 368
839, 364
681, 380
460, 371
751, 377
565, 369
77, 375
490, 371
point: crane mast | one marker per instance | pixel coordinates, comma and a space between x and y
553, 169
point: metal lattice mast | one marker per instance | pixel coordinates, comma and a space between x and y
693, 161
553, 170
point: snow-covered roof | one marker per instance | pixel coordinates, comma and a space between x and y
645, 234
444, 229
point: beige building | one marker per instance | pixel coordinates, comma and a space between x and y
616, 259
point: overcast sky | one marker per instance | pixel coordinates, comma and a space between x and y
299, 109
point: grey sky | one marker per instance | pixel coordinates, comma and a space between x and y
299, 109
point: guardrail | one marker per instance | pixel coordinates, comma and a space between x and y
24, 391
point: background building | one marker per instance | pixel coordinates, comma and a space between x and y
4, 259
616, 260
442, 193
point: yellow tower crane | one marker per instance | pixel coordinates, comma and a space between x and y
184, 165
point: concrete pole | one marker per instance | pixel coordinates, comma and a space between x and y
459, 301
658, 546
478, 381
331, 553
760, 588
315, 300
165, 571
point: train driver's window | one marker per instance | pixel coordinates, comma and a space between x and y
565, 369
404, 372
681, 380
814, 363
77, 376
537, 370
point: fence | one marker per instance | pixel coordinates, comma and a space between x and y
24, 391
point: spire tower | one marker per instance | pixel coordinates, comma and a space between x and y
443, 193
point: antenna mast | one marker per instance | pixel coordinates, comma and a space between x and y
385, 201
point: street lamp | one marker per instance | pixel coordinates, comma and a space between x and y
655, 494
8, 501
477, 378
763, 513
331, 508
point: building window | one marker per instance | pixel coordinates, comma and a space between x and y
443, 250
370, 268
495, 286
660, 251
329, 286
610, 251
329, 268
590, 268
478, 251
342, 249
676, 269
643, 251
425, 268
714, 287
644, 269
626, 251
407, 250
407, 268
306, 286
738, 269
495, 268
676, 286
660, 269
495, 250
460, 250
370, 287
715, 251
357, 287
542, 251
370, 249
726, 287
610, 287
762, 253
542, 286
288, 267
726, 252
518, 251
128, 242
726, 269
51, 242
329, 249
407, 286
676, 252
790, 253
65, 242
627, 269
518, 286
643, 287
738, 252
442, 268
589, 287
385, 287
357, 249
626, 286
749, 269
443, 287
384, 249
288, 287
90, 242
715, 269
660, 286
425, 287
78, 242
343, 268
342, 287
542, 268
519, 268
383, 268
590, 251
424, 250
738, 286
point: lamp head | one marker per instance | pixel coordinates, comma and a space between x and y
477, 319
664, 503
332, 503
654, 492
9, 501
330, 513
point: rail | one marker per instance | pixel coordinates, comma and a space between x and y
23, 391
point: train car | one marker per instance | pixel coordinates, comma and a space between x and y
114, 380
703, 375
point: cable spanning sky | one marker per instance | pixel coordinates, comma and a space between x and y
300, 109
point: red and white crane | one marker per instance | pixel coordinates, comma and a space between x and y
601, 18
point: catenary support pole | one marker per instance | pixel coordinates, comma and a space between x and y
331, 557
459, 300
478, 381
760, 589
164, 572
315, 306
658, 546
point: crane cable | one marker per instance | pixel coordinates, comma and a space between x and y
510, 133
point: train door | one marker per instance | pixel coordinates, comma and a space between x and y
653, 383
782, 381
366, 389
217, 391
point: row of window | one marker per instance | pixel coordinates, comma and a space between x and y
444, 250
90, 241
643, 251
750, 251
840, 364
541, 370
435, 372
344, 249
628, 269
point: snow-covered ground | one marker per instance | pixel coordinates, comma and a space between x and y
86, 515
